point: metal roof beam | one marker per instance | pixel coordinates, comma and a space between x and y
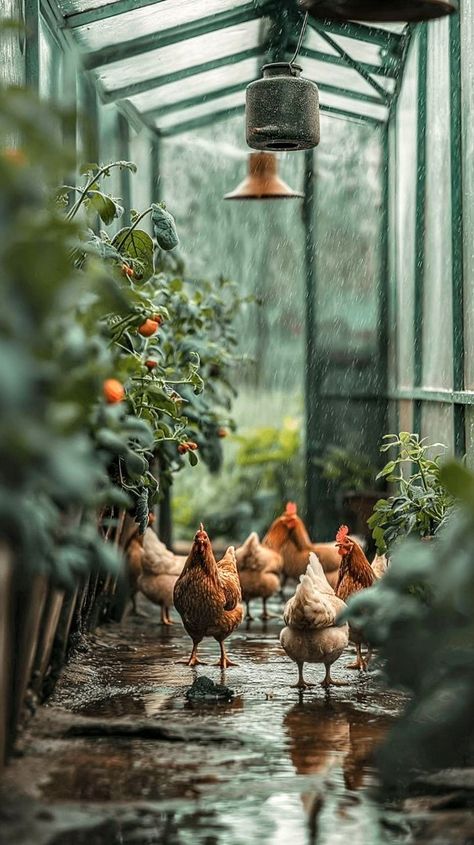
102, 13
214, 117
173, 35
360, 32
357, 66
200, 99
176, 76
318, 56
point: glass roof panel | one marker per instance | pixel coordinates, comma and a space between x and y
150, 19
343, 77
347, 104
185, 54
200, 110
361, 51
199, 85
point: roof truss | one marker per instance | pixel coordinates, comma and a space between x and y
285, 20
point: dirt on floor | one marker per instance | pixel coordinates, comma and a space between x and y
121, 756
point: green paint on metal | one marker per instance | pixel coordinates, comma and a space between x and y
424, 394
329, 58
214, 117
457, 228
173, 35
102, 13
32, 58
384, 294
123, 137
420, 221
200, 99
156, 191
360, 32
312, 390
176, 76
357, 66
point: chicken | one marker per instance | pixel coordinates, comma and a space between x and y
311, 635
160, 571
134, 556
207, 596
288, 535
355, 574
259, 572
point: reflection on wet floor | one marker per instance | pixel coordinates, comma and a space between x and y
294, 767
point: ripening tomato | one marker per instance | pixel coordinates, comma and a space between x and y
183, 448
222, 432
127, 271
148, 328
150, 365
113, 390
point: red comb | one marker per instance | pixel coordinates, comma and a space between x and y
291, 509
342, 534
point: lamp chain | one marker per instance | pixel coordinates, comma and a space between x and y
300, 40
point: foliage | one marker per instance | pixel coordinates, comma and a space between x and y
52, 478
346, 471
422, 501
420, 616
262, 472
169, 338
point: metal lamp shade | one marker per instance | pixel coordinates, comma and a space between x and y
380, 11
282, 110
262, 181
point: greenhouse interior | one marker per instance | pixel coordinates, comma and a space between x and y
237, 422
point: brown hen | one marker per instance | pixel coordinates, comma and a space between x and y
355, 574
288, 536
207, 596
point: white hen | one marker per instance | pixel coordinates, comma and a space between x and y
161, 569
311, 635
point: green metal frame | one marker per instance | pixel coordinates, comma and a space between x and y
173, 35
357, 66
419, 269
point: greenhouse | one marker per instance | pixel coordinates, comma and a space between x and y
237, 422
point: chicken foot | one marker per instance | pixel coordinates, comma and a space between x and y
224, 661
193, 660
301, 683
360, 663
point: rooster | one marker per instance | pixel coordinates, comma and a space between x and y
355, 574
311, 635
207, 596
288, 535
259, 572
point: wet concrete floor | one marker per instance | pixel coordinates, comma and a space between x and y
119, 756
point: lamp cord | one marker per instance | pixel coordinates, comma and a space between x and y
300, 40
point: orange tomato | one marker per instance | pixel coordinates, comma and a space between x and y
148, 328
222, 432
150, 365
113, 390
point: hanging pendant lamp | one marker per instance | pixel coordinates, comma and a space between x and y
380, 11
282, 110
262, 181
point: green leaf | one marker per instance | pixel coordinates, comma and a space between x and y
164, 227
105, 206
139, 246
193, 459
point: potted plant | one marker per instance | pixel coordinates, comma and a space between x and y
421, 502
351, 480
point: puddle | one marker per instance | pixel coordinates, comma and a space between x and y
296, 767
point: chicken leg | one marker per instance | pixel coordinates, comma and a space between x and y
165, 616
329, 681
301, 683
193, 660
224, 661
266, 615
360, 663
248, 617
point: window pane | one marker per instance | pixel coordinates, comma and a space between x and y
221, 104
201, 84
406, 168
437, 306
214, 45
157, 18
438, 423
